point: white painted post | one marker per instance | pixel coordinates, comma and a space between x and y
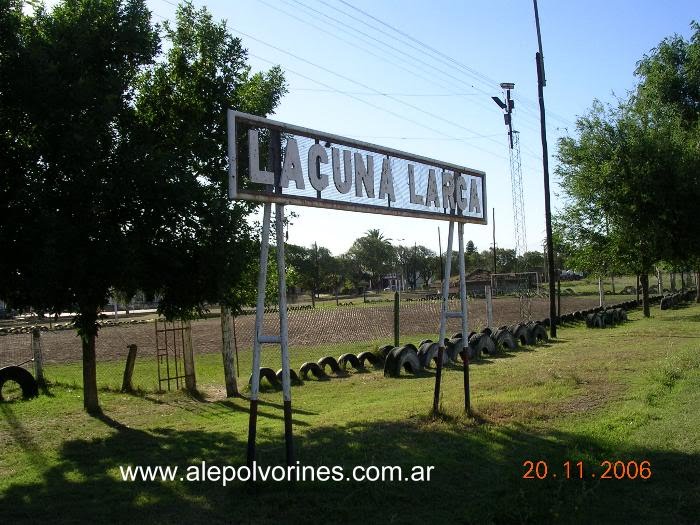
601, 294
284, 333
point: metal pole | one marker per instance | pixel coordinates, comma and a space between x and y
284, 333
465, 324
443, 317
259, 313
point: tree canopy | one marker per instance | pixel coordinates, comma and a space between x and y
114, 162
630, 175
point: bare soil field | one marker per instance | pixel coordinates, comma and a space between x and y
323, 326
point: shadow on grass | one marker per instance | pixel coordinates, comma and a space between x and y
470, 457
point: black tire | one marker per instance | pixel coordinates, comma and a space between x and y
458, 335
293, 377
384, 350
504, 339
22, 377
487, 331
370, 357
539, 333
523, 333
427, 353
349, 359
314, 369
331, 362
482, 345
266, 373
425, 341
403, 358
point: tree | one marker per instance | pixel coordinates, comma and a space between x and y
116, 169
69, 144
374, 254
616, 176
202, 238
669, 91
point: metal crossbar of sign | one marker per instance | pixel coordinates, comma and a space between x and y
324, 170
273, 162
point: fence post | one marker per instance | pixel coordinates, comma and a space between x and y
396, 319
38, 358
129, 369
227, 351
489, 306
188, 358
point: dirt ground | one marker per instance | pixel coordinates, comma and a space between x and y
306, 327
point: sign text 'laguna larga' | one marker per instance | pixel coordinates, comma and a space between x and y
323, 170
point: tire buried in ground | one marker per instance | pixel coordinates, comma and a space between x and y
293, 377
427, 353
349, 359
539, 333
384, 350
482, 344
22, 377
368, 357
402, 358
504, 339
313, 368
331, 362
266, 373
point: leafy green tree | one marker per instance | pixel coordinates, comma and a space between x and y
616, 177
71, 155
102, 188
202, 238
374, 254
669, 92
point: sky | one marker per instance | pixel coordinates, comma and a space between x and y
350, 64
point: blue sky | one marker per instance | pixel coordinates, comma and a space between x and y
590, 51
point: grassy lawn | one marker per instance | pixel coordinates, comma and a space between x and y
627, 393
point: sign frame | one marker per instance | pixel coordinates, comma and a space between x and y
234, 192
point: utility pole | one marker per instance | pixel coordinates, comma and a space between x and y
493, 210
541, 82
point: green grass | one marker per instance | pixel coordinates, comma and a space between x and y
589, 285
627, 393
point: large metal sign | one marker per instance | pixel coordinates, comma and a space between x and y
271, 161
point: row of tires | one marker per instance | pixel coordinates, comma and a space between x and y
605, 318
412, 359
672, 300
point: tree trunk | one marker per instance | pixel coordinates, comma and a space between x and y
86, 323
227, 351
601, 294
612, 278
313, 298
683, 282
645, 293
672, 278
697, 285
637, 291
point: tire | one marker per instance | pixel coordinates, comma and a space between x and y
424, 341
523, 334
22, 377
370, 357
293, 377
349, 359
331, 362
482, 345
314, 369
487, 331
266, 373
402, 358
384, 350
458, 335
504, 339
427, 353
539, 333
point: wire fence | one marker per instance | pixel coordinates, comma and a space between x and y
313, 333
